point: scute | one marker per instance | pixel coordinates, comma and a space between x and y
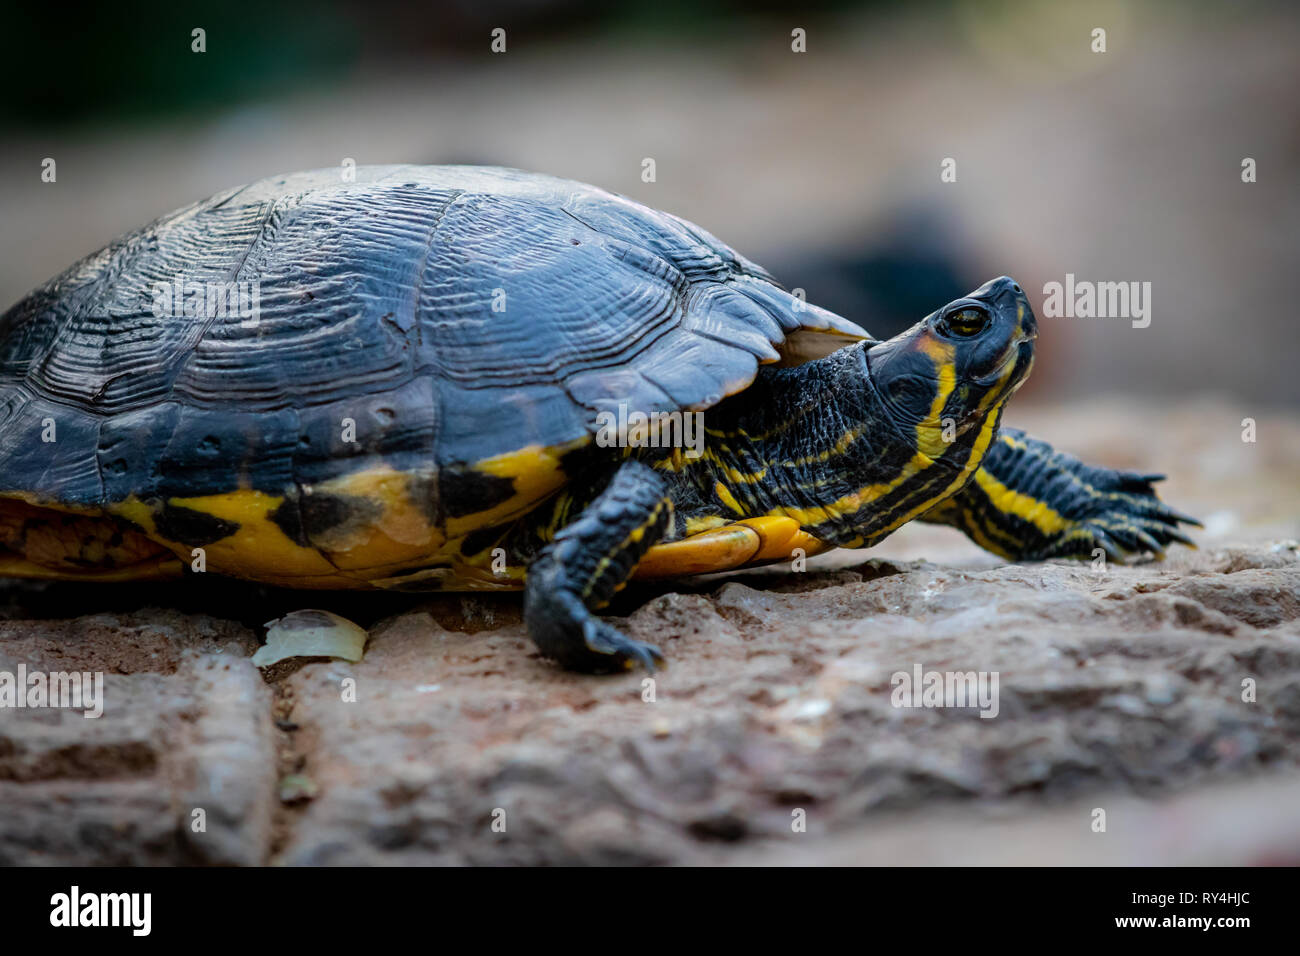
451, 315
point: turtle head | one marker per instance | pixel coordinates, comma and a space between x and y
951, 372
885, 430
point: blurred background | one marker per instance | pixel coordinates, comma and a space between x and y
824, 166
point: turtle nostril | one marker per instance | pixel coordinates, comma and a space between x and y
1015, 287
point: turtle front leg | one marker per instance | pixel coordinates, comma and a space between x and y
587, 562
1028, 502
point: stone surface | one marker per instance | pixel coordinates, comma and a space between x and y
770, 738
184, 729
778, 698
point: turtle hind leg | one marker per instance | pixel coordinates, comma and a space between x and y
45, 543
586, 563
1028, 502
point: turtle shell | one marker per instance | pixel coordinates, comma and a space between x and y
453, 315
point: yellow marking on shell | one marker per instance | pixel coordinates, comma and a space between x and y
76, 544
137, 512
404, 519
351, 556
163, 568
365, 553
259, 549
536, 473
727, 498
399, 534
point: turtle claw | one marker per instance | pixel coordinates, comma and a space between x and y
1107, 544
1178, 516
618, 650
1150, 544
1134, 481
1131, 523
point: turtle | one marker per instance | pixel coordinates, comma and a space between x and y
424, 378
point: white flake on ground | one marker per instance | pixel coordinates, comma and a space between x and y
311, 633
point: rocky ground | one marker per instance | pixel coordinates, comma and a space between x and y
1125, 697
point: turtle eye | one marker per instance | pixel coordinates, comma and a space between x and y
964, 322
